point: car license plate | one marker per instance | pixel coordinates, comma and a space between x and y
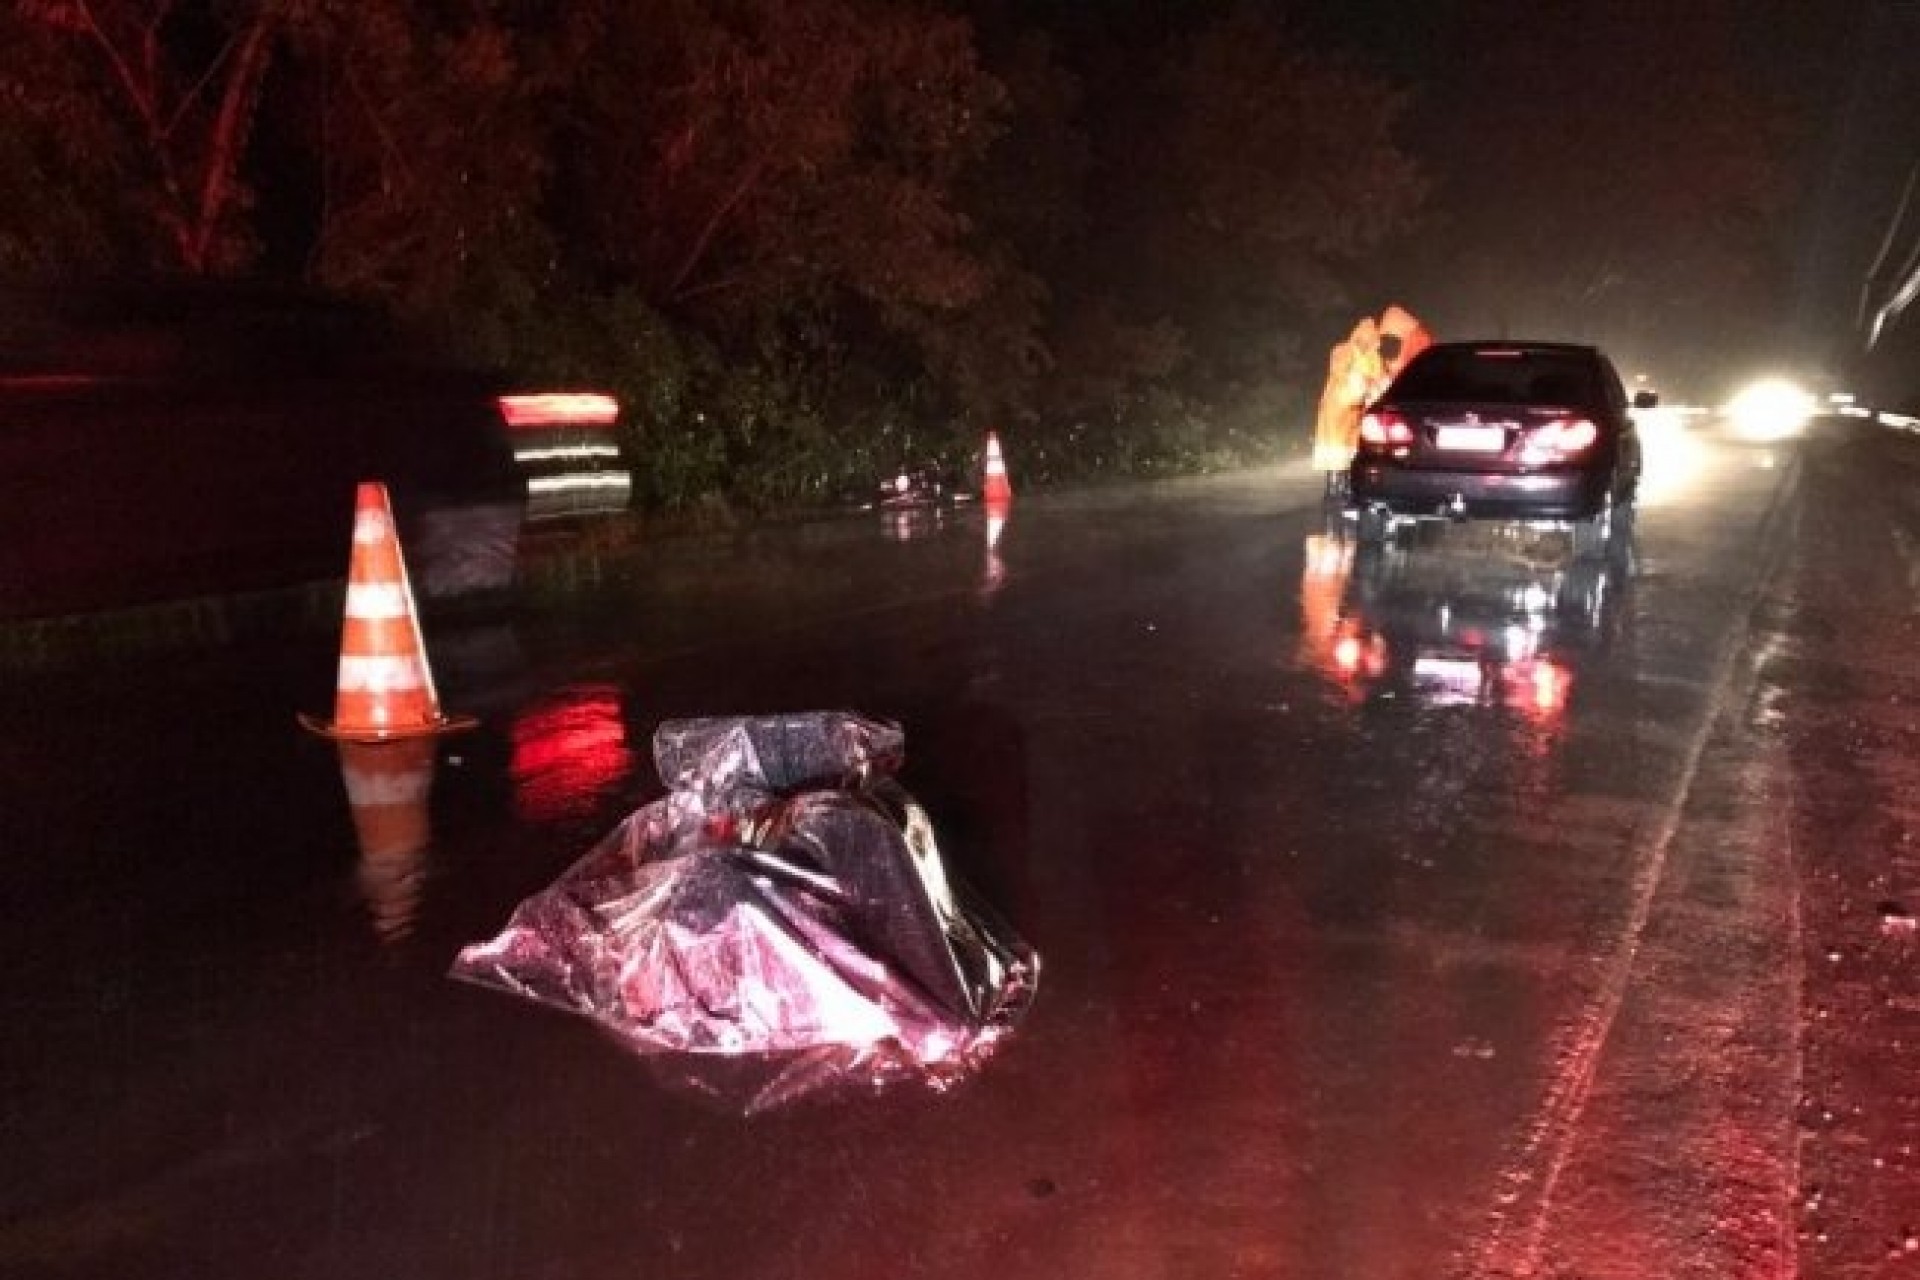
1471, 439
1463, 673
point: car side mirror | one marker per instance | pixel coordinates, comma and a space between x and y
1646, 399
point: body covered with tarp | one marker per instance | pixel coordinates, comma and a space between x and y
781, 921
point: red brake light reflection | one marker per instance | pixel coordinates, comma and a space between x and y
1550, 687
560, 409
569, 753
1357, 654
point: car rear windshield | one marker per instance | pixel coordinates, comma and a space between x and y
1500, 375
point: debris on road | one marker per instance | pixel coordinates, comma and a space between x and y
780, 922
922, 485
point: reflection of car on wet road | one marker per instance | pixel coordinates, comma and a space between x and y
160, 442
1505, 431
1502, 620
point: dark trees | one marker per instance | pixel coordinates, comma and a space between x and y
134, 115
1239, 180
802, 239
1612, 175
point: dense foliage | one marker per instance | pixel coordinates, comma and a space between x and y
804, 241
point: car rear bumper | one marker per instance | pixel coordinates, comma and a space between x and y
1573, 495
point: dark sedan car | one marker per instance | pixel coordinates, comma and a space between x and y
165, 441
1527, 431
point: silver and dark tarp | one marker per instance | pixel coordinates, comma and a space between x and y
780, 922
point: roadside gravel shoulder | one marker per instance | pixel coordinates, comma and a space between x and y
1850, 709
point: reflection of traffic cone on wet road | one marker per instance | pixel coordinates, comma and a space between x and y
996, 572
994, 485
996, 525
388, 786
385, 690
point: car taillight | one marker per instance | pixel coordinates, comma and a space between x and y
560, 409
1385, 427
1559, 440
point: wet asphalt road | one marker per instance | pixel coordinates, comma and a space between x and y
1420, 914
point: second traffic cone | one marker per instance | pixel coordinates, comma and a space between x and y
994, 485
385, 690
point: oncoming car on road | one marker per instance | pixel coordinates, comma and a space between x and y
1522, 431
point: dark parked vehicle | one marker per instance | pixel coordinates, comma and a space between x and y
1528, 431
163, 442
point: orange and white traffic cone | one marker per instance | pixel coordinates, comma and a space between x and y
385, 690
995, 488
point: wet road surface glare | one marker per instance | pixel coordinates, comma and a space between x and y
1437, 910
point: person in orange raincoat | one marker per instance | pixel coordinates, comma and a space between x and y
1402, 337
1355, 374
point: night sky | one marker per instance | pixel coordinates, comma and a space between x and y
1847, 73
